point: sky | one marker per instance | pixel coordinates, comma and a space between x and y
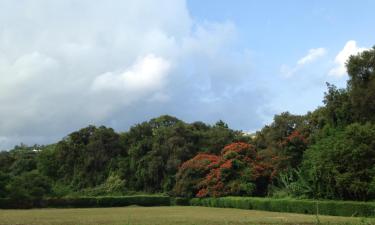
65, 64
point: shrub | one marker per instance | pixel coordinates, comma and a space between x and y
180, 201
70, 202
113, 186
333, 208
133, 200
84, 202
6, 203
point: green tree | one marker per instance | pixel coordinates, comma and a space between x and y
338, 107
6, 160
361, 85
47, 163
30, 185
4, 180
271, 136
86, 157
342, 165
24, 161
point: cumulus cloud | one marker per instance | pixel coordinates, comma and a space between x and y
350, 48
310, 57
67, 64
146, 75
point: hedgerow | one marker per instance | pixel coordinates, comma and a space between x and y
333, 208
85, 202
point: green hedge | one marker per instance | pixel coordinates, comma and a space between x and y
333, 208
6, 203
84, 202
133, 200
180, 201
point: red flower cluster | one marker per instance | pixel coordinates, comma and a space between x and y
295, 136
226, 165
202, 160
234, 172
216, 182
240, 148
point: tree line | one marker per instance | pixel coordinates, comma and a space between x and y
328, 153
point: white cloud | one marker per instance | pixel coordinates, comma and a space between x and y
350, 48
312, 55
67, 64
148, 74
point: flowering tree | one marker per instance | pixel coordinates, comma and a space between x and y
233, 175
192, 172
235, 171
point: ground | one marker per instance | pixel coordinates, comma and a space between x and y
164, 216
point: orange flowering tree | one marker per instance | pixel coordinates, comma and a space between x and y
233, 175
191, 173
235, 171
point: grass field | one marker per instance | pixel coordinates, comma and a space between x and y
164, 216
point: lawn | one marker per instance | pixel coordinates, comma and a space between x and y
164, 216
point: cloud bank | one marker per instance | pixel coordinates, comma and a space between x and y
67, 64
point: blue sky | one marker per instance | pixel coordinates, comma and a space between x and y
67, 64
282, 32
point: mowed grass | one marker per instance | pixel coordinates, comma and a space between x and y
164, 216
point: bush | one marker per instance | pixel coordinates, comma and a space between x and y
333, 208
70, 202
113, 186
180, 201
141, 200
85, 202
6, 203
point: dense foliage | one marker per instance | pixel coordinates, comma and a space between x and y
342, 165
328, 153
100, 161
